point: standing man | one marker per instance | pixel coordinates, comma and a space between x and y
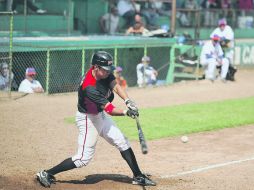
211, 57
109, 22
95, 95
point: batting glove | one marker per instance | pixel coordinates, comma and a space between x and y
131, 113
131, 105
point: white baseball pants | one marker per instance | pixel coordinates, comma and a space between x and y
210, 68
90, 127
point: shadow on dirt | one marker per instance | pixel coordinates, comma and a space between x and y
96, 178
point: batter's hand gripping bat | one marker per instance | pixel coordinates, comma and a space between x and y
141, 137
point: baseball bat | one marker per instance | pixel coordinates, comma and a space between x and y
141, 136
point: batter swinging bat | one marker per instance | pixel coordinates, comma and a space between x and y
141, 137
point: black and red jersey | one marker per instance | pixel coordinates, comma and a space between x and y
92, 93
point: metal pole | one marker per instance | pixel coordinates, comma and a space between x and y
83, 62
115, 56
25, 14
145, 51
10, 54
47, 71
173, 17
69, 18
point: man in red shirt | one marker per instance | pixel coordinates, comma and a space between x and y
95, 95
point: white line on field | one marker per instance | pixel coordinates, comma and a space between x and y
208, 168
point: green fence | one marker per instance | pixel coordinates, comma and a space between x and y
60, 69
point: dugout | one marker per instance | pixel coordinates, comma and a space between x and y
60, 62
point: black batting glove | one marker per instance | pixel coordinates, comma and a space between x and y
131, 105
132, 113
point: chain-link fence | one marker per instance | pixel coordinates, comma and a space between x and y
7, 82
60, 69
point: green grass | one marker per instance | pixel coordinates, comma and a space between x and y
189, 118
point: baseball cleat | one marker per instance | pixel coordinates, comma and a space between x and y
45, 178
143, 180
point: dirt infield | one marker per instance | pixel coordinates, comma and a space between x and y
34, 136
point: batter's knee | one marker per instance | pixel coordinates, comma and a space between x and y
123, 144
79, 163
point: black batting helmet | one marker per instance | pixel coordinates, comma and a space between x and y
104, 60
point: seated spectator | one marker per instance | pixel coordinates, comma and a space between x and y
119, 78
127, 10
149, 11
109, 22
245, 6
210, 13
211, 57
146, 74
11, 5
138, 28
191, 5
5, 78
29, 84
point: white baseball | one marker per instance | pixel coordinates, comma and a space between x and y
184, 139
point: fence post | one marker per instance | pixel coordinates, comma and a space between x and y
170, 74
47, 71
83, 61
10, 53
145, 50
115, 56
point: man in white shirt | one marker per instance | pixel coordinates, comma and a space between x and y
146, 74
127, 10
226, 34
213, 56
29, 84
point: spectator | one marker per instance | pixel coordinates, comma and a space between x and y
210, 13
146, 74
149, 11
11, 5
191, 5
245, 6
226, 34
119, 78
5, 78
226, 5
29, 84
109, 22
138, 28
211, 57
127, 10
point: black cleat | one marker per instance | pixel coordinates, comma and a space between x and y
143, 180
45, 178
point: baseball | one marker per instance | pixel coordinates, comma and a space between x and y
184, 139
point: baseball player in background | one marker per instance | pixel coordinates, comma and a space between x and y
226, 34
95, 95
146, 74
213, 56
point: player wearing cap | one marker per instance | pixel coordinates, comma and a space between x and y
95, 96
212, 56
146, 74
29, 84
226, 34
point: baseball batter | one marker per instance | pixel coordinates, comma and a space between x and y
212, 56
95, 95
